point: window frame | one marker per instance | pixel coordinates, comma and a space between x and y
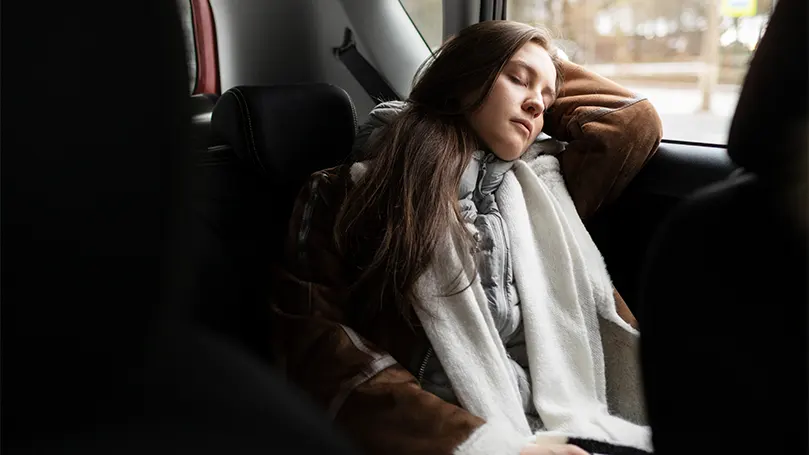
205, 46
418, 30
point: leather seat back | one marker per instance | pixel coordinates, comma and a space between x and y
98, 354
286, 133
275, 137
87, 200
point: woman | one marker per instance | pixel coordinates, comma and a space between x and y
443, 295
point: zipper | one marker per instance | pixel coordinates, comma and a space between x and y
354, 113
424, 364
484, 164
503, 234
306, 222
481, 175
477, 194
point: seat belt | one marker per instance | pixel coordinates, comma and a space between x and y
369, 78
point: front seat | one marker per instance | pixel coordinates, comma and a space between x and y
724, 304
279, 135
99, 351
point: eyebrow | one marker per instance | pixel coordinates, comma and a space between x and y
545, 91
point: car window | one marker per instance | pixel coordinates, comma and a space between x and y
187, 19
427, 16
689, 57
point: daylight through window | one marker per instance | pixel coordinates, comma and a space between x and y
689, 57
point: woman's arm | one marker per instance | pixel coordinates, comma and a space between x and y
370, 396
611, 133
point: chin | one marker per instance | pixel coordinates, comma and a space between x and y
510, 151
514, 154
505, 156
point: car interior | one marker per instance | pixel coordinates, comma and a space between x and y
142, 219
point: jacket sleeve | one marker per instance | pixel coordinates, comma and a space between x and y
371, 397
611, 133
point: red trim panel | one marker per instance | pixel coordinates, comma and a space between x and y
205, 38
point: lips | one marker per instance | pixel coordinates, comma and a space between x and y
524, 123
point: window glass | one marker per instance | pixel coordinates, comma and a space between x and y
187, 19
689, 57
427, 16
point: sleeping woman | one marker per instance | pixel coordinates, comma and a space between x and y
441, 294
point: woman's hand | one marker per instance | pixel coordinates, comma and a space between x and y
555, 449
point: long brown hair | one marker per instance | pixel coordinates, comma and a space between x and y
400, 207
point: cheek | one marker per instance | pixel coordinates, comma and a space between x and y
503, 98
477, 121
539, 125
483, 120
497, 110
491, 119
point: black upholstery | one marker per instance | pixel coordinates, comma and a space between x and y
202, 106
230, 247
277, 136
724, 304
99, 352
225, 241
86, 199
288, 131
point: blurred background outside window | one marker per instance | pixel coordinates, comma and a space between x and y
689, 57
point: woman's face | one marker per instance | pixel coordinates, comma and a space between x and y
510, 118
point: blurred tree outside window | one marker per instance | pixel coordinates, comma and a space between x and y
689, 57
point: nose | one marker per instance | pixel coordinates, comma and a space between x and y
534, 106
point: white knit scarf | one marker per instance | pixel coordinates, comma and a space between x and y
583, 358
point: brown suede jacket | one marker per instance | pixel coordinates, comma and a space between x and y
365, 373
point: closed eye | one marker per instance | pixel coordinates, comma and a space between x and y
517, 80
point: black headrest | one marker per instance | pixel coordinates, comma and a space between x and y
772, 108
287, 130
